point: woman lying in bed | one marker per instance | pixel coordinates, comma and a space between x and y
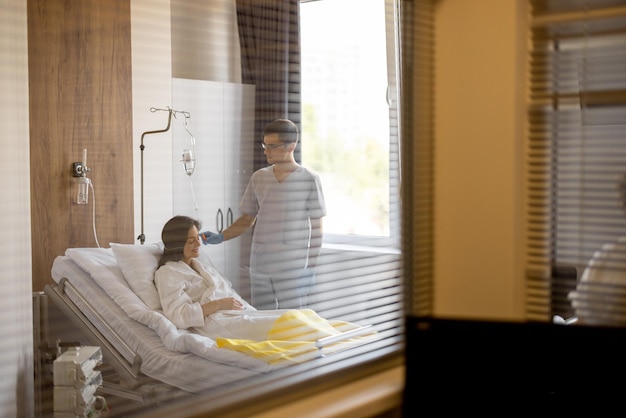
198, 298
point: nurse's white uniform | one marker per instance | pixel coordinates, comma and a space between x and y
282, 233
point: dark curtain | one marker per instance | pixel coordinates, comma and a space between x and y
269, 35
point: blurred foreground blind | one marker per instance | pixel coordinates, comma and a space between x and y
417, 159
576, 162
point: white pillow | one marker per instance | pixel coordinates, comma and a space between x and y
102, 267
138, 263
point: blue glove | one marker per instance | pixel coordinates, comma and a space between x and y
209, 237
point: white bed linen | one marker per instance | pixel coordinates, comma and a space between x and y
174, 365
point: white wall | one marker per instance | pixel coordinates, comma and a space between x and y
16, 362
479, 88
152, 79
153, 62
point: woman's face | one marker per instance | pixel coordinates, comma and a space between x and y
192, 245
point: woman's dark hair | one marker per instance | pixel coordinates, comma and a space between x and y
174, 236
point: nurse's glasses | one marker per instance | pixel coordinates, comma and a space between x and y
273, 146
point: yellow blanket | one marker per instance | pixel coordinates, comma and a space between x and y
291, 338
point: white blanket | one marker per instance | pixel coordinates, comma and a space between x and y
101, 264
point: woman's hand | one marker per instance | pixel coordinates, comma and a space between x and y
230, 303
221, 304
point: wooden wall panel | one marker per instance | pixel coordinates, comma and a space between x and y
80, 85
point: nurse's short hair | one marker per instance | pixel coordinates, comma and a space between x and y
287, 130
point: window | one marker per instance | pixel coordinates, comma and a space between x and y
350, 116
179, 41
577, 160
356, 283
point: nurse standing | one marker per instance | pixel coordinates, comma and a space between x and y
285, 204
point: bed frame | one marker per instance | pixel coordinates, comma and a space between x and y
123, 359
114, 349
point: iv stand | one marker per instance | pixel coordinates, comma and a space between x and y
142, 236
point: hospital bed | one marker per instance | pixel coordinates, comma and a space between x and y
139, 342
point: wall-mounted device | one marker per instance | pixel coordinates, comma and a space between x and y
80, 170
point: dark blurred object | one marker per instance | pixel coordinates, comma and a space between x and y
507, 368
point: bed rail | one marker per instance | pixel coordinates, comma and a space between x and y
125, 361
357, 332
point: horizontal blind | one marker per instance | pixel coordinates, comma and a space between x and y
576, 161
